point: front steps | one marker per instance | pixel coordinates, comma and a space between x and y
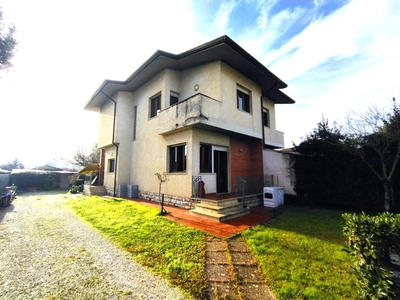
94, 190
220, 210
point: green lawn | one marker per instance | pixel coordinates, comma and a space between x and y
171, 250
301, 254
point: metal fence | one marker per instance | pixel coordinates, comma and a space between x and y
252, 185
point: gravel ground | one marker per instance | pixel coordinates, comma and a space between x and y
46, 252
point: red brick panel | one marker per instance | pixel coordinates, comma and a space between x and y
246, 159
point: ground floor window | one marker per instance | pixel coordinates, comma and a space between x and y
177, 158
111, 165
205, 158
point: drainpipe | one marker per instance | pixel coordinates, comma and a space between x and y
262, 113
113, 141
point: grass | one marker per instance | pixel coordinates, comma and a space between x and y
169, 249
301, 254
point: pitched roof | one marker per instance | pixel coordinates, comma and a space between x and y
221, 49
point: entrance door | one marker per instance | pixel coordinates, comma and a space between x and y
221, 170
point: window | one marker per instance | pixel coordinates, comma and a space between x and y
111, 165
205, 158
177, 158
173, 98
266, 117
134, 122
243, 100
155, 105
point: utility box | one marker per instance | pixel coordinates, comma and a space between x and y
132, 191
273, 196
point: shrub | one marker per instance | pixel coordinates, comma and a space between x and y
372, 240
74, 189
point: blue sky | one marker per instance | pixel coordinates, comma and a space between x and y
335, 56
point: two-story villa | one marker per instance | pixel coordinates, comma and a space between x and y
206, 115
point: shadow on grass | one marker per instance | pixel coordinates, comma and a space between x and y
316, 223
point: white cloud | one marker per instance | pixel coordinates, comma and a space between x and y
339, 63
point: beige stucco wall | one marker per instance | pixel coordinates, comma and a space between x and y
207, 77
240, 121
106, 125
139, 159
110, 153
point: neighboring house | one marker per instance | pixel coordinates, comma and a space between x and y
207, 115
43, 177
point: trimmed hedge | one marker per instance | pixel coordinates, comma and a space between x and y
374, 242
41, 181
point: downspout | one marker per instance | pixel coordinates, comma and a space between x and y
262, 113
113, 141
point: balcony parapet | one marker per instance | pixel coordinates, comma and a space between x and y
196, 110
273, 138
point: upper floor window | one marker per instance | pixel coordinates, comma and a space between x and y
177, 158
243, 100
266, 117
173, 98
155, 105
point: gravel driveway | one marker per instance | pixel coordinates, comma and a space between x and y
46, 252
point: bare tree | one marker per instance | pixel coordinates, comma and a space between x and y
374, 136
11, 165
82, 158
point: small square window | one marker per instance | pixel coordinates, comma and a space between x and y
155, 106
111, 165
243, 101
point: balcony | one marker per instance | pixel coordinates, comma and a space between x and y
273, 138
204, 112
198, 111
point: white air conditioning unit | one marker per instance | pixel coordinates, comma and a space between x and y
273, 196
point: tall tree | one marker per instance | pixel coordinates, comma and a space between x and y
7, 44
11, 165
374, 136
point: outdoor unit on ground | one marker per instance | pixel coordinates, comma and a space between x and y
273, 196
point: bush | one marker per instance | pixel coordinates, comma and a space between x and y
371, 240
74, 189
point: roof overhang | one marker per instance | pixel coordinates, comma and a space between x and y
221, 49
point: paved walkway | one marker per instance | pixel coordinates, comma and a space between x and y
231, 270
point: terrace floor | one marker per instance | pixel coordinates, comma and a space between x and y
258, 215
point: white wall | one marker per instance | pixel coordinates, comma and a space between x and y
280, 166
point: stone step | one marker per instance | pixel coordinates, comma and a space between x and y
220, 203
94, 191
210, 215
221, 209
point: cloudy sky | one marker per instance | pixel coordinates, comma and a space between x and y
335, 55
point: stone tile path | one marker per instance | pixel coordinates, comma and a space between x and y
232, 272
